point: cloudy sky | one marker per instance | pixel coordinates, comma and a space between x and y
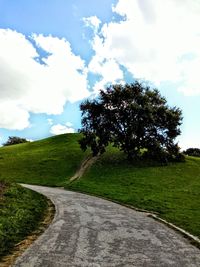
54, 54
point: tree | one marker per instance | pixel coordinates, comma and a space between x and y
132, 117
195, 152
13, 140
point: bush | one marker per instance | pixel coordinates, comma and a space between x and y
13, 140
195, 152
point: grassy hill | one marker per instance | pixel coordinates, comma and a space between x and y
47, 162
171, 191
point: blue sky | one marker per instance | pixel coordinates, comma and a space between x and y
54, 54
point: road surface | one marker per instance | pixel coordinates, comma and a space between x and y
89, 231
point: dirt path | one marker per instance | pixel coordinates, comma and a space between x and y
92, 232
86, 164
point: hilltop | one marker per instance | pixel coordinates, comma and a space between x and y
51, 161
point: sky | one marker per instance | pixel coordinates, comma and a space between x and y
56, 54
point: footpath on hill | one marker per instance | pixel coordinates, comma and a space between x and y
89, 231
85, 165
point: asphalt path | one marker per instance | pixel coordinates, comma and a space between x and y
89, 231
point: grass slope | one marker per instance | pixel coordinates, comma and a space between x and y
20, 212
47, 162
171, 191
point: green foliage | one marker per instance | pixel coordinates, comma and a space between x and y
131, 117
46, 162
14, 140
171, 191
195, 152
20, 212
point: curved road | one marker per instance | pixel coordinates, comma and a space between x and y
92, 232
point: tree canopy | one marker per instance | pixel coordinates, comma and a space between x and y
134, 118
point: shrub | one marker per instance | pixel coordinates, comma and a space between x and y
13, 140
195, 152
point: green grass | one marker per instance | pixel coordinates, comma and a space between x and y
47, 162
171, 191
20, 212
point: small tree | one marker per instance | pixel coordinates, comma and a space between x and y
13, 140
195, 152
131, 117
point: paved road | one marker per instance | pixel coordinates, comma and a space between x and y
91, 232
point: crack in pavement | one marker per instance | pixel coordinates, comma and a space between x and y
91, 232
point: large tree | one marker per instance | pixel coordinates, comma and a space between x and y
134, 118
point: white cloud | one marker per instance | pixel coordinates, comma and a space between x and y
92, 22
68, 124
153, 42
28, 86
108, 69
157, 40
61, 129
12, 116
